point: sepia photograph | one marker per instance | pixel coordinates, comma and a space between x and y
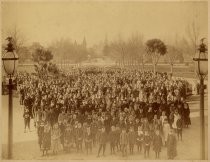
104, 80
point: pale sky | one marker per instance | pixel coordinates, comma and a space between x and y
47, 21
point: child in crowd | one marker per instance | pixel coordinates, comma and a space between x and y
88, 138
56, 138
124, 142
40, 132
147, 143
171, 145
179, 127
79, 137
68, 138
166, 129
139, 139
157, 143
27, 119
112, 139
131, 139
46, 140
118, 132
102, 141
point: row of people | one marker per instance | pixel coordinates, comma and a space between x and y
118, 139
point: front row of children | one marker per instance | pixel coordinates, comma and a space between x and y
68, 137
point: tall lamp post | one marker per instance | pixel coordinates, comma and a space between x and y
10, 61
201, 67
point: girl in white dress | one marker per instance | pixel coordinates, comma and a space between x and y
166, 129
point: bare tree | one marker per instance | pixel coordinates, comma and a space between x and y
136, 49
119, 48
193, 32
172, 55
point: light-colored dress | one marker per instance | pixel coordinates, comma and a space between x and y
175, 121
56, 139
166, 129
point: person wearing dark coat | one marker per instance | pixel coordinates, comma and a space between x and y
79, 137
145, 125
141, 114
22, 95
46, 140
68, 138
186, 115
62, 129
131, 139
107, 124
150, 115
137, 124
118, 132
27, 118
94, 129
157, 143
147, 143
57, 111
102, 141
171, 145
51, 117
179, 127
88, 138
112, 139
40, 132
124, 142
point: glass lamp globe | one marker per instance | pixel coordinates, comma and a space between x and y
201, 60
10, 59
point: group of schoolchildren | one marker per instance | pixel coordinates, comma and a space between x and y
129, 110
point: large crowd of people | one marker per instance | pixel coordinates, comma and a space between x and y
130, 110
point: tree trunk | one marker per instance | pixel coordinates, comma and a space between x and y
143, 67
123, 61
154, 68
172, 68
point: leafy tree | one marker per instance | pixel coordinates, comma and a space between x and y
155, 48
42, 55
53, 69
